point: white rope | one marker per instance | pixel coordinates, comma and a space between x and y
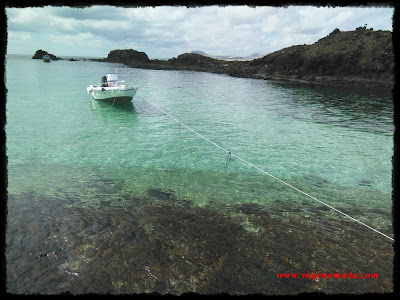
274, 177
113, 101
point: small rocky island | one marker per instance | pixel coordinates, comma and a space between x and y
40, 53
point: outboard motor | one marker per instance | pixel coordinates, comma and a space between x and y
104, 81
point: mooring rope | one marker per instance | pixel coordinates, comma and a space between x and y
257, 168
113, 101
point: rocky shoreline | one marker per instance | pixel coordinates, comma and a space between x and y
362, 57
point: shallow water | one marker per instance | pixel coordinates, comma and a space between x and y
124, 200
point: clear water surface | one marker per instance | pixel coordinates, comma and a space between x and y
93, 188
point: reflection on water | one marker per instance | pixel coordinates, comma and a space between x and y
369, 110
101, 107
164, 243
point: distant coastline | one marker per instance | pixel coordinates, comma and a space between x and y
362, 57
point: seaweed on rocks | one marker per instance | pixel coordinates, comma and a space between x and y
174, 246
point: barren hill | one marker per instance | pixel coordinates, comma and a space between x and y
360, 57
356, 56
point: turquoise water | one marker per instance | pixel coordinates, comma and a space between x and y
69, 155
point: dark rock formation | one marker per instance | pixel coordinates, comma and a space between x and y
126, 56
40, 53
197, 62
360, 57
161, 193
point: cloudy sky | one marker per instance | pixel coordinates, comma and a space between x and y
167, 31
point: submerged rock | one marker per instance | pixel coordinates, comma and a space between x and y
251, 208
161, 193
365, 182
160, 247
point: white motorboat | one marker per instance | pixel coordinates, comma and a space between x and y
46, 58
112, 90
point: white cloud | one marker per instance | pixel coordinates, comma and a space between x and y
20, 36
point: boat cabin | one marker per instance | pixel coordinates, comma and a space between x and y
109, 79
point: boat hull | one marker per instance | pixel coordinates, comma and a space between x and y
116, 100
